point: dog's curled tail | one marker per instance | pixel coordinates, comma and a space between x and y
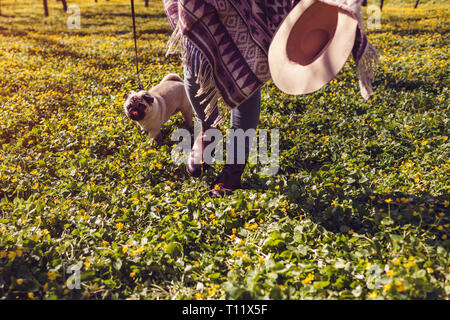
172, 77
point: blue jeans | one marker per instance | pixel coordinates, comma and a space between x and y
244, 116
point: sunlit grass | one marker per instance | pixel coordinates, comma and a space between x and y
359, 208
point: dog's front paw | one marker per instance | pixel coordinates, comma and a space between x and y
159, 139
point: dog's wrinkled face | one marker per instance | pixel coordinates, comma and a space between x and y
137, 104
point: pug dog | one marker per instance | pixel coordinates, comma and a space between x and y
151, 109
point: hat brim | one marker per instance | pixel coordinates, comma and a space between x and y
294, 78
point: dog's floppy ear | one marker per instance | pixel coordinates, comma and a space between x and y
148, 98
126, 95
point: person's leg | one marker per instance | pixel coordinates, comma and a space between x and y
245, 117
196, 162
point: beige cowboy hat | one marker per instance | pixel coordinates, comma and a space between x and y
310, 47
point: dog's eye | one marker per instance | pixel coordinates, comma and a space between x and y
148, 98
141, 106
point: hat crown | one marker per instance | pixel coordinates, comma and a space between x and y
314, 42
311, 35
311, 46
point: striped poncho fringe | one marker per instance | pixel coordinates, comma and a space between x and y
233, 38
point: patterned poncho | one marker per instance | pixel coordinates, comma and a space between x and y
233, 37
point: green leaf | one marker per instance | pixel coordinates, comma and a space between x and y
321, 284
174, 248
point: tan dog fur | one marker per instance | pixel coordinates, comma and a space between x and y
169, 97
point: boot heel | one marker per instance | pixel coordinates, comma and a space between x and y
228, 181
195, 164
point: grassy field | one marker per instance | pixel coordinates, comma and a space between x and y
358, 210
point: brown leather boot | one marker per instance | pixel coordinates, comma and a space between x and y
195, 164
228, 181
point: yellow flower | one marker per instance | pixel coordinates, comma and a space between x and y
212, 291
404, 200
119, 226
124, 249
390, 273
137, 251
30, 295
430, 270
399, 286
19, 281
52, 275
387, 287
373, 295
389, 200
11, 255
309, 278
277, 187
409, 264
132, 274
396, 262
87, 264
253, 226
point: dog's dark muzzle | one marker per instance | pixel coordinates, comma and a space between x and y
136, 113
